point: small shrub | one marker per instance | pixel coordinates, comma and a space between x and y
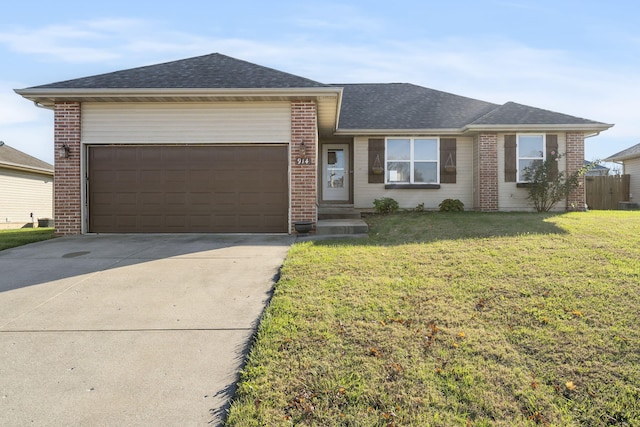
419, 208
547, 186
386, 205
451, 205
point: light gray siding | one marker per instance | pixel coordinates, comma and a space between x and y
365, 193
632, 167
512, 198
23, 193
154, 123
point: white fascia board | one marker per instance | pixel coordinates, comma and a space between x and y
15, 166
382, 132
599, 127
164, 93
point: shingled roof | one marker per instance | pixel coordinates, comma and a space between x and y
406, 106
16, 159
629, 153
214, 71
518, 114
363, 107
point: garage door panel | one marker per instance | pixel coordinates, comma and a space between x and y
188, 189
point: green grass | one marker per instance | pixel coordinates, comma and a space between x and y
22, 236
459, 319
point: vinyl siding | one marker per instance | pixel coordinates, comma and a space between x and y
365, 193
23, 193
512, 198
152, 123
632, 167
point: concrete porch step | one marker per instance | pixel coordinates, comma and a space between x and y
337, 213
336, 227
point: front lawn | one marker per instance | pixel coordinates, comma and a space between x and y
21, 236
466, 319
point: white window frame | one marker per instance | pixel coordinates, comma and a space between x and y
518, 157
412, 160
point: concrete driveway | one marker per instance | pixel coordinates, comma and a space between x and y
129, 329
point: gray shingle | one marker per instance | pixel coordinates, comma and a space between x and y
512, 113
364, 106
629, 153
214, 71
11, 156
406, 106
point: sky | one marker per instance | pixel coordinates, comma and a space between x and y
575, 57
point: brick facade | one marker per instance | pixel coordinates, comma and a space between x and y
488, 172
67, 205
575, 160
303, 177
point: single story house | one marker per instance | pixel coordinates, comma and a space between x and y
596, 170
26, 188
217, 144
630, 159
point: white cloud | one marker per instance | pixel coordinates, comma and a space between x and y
14, 109
492, 69
86, 41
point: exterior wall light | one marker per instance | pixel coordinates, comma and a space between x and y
65, 151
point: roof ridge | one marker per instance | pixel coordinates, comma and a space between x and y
213, 70
498, 106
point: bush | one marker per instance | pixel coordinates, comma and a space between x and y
546, 186
386, 205
451, 205
419, 208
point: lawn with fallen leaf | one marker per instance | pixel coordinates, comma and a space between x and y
454, 319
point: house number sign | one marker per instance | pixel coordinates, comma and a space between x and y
303, 161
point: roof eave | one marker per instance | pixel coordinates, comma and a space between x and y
356, 132
33, 169
622, 158
587, 127
46, 96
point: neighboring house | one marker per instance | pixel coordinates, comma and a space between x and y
217, 144
596, 170
630, 159
26, 188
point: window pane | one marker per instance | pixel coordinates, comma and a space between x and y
425, 149
398, 172
335, 168
524, 166
335, 158
398, 149
426, 172
530, 146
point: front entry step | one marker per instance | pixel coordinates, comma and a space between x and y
337, 213
340, 227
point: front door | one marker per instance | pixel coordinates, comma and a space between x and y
335, 172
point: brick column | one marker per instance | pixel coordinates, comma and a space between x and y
66, 189
488, 172
303, 177
575, 160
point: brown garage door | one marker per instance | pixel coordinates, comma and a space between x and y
187, 189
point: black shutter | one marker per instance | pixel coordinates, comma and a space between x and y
552, 146
448, 161
510, 160
376, 161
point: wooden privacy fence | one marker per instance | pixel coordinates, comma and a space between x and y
604, 192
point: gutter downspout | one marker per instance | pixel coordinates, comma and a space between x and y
37, 104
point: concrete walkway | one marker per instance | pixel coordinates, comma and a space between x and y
116, 330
